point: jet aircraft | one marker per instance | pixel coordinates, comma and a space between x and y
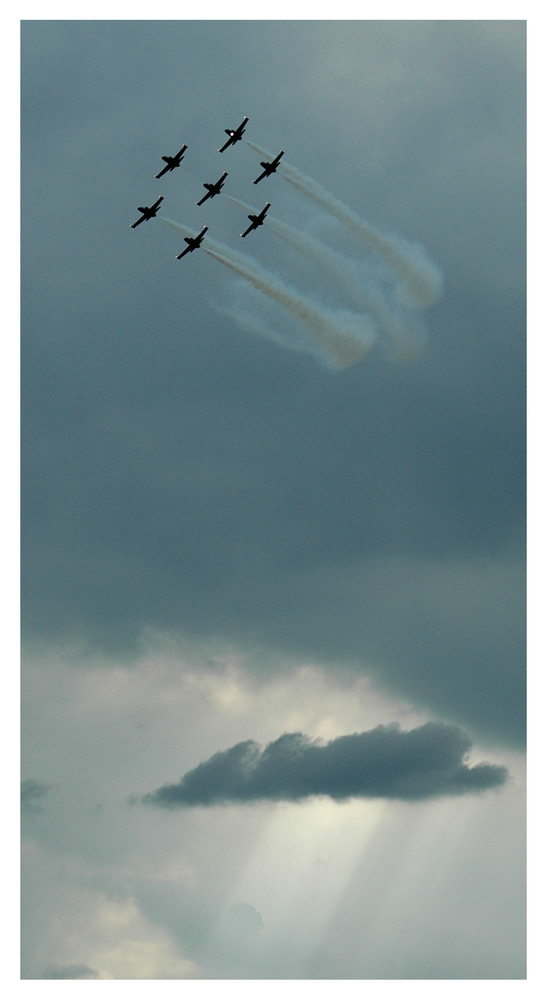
257, 220
213, 189
193, 242
172, 162
148, 213
269, 168
234, 134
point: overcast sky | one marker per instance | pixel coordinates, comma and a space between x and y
273, 601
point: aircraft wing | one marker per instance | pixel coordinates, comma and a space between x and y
233, 136
162, 172
142, 219
193, 242
157, 203
248, 230
269, 167
205, 197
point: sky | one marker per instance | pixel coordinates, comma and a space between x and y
273, 502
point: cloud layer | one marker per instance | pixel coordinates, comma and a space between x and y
373, 516
32, 794
223, 539
69, 972
382, 763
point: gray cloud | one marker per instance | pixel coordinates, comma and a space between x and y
382, 763
53, 971
191, 484
32, 794
168, 454
244, 920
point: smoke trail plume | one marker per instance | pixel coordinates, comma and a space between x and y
346, 336
363, 286
420, 277
345, 272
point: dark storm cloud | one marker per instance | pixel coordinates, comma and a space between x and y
181, 476
33, 794
53, 971
382, 763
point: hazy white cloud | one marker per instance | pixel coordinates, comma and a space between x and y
154, 893
73, 910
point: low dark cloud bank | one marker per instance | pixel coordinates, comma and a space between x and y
382, 763
69, 972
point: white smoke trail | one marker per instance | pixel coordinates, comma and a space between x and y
345, 272
345, 335
364, 288
421, 278
248, 307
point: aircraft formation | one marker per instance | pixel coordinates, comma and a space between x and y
212, 189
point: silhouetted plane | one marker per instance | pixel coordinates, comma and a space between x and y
257, 220
172, 162
269, 168
213, 189
148, 213
193, 242
234, 134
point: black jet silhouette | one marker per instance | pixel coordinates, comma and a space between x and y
172, 162
193, 242
213, 189
269, 168
234, 134
257, 220
148, 213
